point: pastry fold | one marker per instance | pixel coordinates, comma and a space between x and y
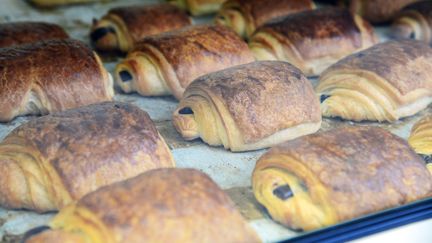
164, 205
199, 7
167, 63
18, 33
55, 3
323, 179
414, 22
50, 76
378, 11
244, 16
421, 139
122, 27
312, 40
56, 159
249, 106
383, 83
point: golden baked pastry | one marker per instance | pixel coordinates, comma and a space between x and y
414, 22
199, 7
383, 83
122, 27
55, 3
167, 63
18, 33
378, 11
50, 76
249, 106
312, 40
244, 16
164, 205
56, 159
421, 139
323, 179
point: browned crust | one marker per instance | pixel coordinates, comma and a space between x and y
142, 21
260, 11
378, 11
423, 8
18, 33
263, 97
317, 33
95, 145
169, 205
364, 169
404, 64
197, 50
63, 73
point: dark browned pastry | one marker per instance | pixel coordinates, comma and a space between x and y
18, 33
244, 16
49, 76
378, 11
164, 205
51, 161
167, 63
55, 3
386, 82
248, 107
312, 40
321, 179
122, 27
414, 22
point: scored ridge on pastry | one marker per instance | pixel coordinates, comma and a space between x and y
199, 7
414, 22
386, 82
322, 179
50, 76
56, 159
122, 27
163, 205
312, 40
249, 106
167, 63
244, 16
18, 33
55, 3
378, 11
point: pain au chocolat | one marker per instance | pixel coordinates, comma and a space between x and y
199, 7
414, 22
18, 33
54, 160
244, 16
50, 76
322, 179
163, 205
122, 27
167, 63
420, 139
386, 82
312, 40
249, 106
378, 11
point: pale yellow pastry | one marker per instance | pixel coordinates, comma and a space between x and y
199, 7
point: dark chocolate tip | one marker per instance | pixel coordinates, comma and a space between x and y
125, 76
101, 32
324, 97
33, 232
412, 35
186, 111
427, 158
283, 192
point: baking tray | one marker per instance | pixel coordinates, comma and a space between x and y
231, 171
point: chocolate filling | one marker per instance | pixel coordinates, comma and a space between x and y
101, 32
412, 36
324, 97
33, 232
283, 192
427, 158
125, 76
186, 111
